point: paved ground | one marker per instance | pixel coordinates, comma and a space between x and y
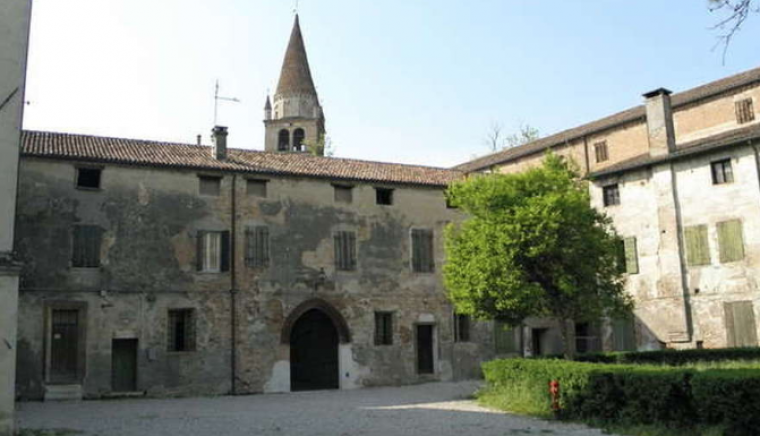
435, 409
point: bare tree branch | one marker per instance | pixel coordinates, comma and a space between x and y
494, 139
738, 12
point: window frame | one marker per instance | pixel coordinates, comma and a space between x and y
208, 178
257, 246
188, 335
202, 248
383, 327
343, 188
601, 151
78, 174
384, 196
345, 244
744, 110
722, 171
79, 240
417, 264
611, 200
462, 328
262, 183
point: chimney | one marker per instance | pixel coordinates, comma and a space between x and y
220, 142
199, 140
662, 137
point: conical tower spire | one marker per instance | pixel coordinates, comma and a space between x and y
295, 77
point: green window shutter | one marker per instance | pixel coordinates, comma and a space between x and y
623, 335
697, 245
730, 241
631, 256
741, 329
504, 338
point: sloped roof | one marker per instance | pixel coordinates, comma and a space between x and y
295, 76
633, 114
88, 148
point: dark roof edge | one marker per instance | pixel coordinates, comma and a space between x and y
465, 166
57, 157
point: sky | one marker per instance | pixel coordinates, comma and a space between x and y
409, 81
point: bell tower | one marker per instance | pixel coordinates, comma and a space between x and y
294, 120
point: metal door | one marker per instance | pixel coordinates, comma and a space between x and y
124, 365
425, 349
64, 345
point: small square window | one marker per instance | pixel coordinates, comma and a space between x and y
181, 330
88, 178
209, 185
383, 328
384, 196
745, 111
722, 172
600, 148
611, 194
344, 194
257, 188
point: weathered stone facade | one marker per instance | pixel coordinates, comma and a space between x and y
14, 33
661, 156
152, 206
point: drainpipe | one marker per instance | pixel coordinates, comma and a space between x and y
233, 291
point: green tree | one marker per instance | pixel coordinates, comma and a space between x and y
532, 245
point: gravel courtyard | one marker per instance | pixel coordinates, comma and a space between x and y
440, 409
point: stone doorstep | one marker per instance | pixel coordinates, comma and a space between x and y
63, 393
118, 395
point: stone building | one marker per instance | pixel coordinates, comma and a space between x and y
679, 176
176, 269
14, 33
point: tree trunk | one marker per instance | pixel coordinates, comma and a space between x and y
567, 329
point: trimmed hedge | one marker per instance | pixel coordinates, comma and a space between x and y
632, 394
673, 357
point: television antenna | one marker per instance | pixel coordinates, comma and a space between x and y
218, 98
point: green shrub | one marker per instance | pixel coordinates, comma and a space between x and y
673, 357
632, 394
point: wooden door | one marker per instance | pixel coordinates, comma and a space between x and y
64, 345
314, 353
425, 362
124, 365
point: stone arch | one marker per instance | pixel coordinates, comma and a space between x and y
344, 335
298, 137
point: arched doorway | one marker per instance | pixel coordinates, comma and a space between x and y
314, 352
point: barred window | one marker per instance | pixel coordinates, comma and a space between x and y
745, 111
181, 330
345, 251
257, 246
422, 251
722, 172
611, 194
600, 148
461, 328
213, 251
86, 247
383, 328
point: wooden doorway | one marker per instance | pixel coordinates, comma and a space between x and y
425, 356
313, 352
64, 346
124, 365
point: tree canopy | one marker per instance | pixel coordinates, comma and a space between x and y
532, 245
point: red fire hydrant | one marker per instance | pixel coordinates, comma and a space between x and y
554, 391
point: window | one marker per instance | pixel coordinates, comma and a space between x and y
722, 172
586, 338
623, 335
86, 244
745, 112
383, 328
730, 241
213, 253
504, 338
88, 178
345, 251
600, 148
256, 187
628, 257
697, 246
741, 330
384, 196
257, 246
344, 194
298, 136
209, 185
611, 195
283, 140
422, 251
181, 330
461, 328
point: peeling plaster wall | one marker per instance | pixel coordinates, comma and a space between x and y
150, 218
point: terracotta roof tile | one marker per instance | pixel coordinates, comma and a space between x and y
164, 154
636, 113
